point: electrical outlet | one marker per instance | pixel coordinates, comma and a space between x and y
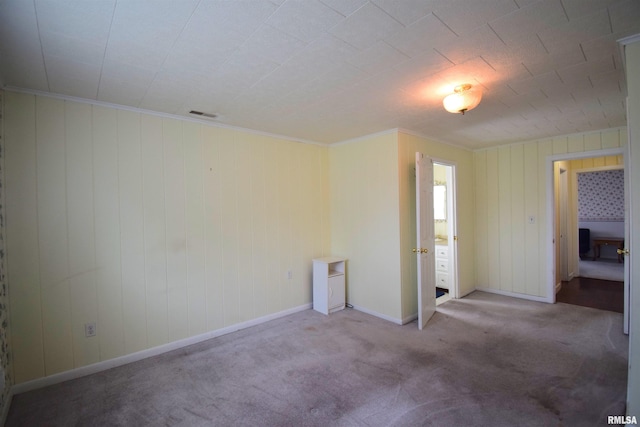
289, 274
90, 329
532, 219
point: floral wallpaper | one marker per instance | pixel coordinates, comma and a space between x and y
601, 196
5, 356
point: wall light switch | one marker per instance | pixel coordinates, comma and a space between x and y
532, 219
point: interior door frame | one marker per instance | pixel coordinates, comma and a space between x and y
574, 183
452, 224
551, 219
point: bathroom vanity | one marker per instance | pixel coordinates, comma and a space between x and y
442, 263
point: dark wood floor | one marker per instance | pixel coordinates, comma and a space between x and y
595, 293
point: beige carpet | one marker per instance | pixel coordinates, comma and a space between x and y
485, 360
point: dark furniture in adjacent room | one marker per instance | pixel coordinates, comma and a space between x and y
584, 239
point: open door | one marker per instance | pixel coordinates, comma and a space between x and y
627, 239
425, 249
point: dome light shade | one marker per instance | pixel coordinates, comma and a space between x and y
463, 99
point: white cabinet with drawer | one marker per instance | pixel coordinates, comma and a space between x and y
442, 267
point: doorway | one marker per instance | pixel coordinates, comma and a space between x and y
436, 247
445, 231
589, 214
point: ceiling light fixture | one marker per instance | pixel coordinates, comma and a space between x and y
463, 99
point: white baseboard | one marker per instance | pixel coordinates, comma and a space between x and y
381, 316
467, 293
558, 287
409, 319
515, 295
144, 354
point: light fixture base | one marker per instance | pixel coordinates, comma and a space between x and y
462, 88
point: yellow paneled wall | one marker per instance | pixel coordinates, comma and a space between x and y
365, 221
510, 186
408, 145
154, 228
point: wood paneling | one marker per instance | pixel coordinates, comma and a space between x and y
505, 203
511, 187
82, 284
517, 220
22, 237
155, 236
195, 228
483, 243
53, 234
532, 272
492, 257
134, 307
154, 228
106, 202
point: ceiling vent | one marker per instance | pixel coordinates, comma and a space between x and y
201, 114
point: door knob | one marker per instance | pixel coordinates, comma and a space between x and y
623, 251
414, 250
424, 251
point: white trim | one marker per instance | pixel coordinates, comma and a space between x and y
622, 44
551, 263
452, 243
376, 314
144, 354
558, 287
211, 123
468, 293
409, 319
515, 295
587, 154
629, 40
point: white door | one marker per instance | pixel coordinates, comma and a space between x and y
425, 249
627, 239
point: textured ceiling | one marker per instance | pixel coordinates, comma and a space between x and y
332, 70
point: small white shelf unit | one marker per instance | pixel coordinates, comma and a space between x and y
329, 284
